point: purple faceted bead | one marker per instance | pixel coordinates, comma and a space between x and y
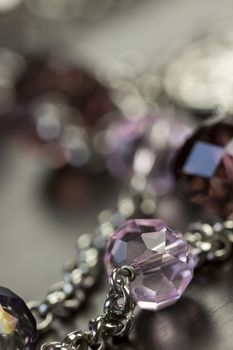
17, 324
145, 148
160, 256
46, 75
204, 167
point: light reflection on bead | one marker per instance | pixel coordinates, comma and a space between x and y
7, 322
161, 259
17, 324
204, 167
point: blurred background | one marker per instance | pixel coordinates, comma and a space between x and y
78, 80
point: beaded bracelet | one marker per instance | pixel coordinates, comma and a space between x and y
149, 264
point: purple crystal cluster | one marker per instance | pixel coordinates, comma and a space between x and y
204, 167
17, 325
145, 148
160, 256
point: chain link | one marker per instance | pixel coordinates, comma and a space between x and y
211, 242
81, 274
116, 320
67, 296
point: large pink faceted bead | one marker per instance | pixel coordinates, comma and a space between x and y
161, 259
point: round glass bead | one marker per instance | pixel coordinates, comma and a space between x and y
17, 324
144, 148
72, 85
160, 257
204, 167
57, 105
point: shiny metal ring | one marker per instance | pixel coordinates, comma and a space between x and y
69, 303
46, 321
127, 327
221, 250
97, 328
116, 310
77, 340
53, 346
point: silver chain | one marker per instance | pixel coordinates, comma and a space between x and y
116, 320
209, 242
67, 296
80, 275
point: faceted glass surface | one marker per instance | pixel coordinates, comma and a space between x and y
145, 147
17, 325
160, 257
204, 167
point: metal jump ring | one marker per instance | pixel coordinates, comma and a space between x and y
76, 340
53, 346
223, 248
112, 307
45, 323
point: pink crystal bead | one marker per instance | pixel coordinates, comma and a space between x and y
161, 259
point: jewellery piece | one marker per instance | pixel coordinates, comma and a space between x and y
161, 259
148, 263
135, 86
79, 89
140, 151
79, 276
55, 106
204, 167
17, 325
210, 242
198, 77
116, 321
160, 267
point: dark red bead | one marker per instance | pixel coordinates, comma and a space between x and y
204, 167
63, 84
57, 101
53, 74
